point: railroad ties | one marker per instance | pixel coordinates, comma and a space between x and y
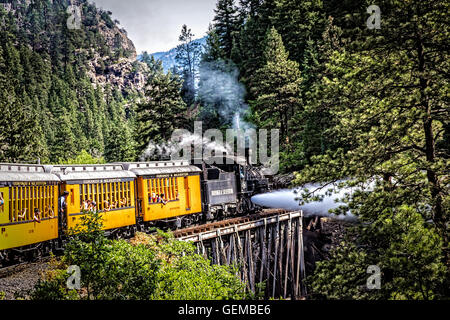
266, 250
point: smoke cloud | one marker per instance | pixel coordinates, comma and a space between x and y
170, 148
286, 199
220, 87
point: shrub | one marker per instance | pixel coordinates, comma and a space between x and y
147, 267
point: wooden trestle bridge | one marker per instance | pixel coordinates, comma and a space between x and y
267, 248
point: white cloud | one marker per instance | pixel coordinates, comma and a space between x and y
154, 25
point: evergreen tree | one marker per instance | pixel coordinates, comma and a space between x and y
46, 65
163, 111
226, 24
249, 8
277, 88
213, 50
385, 90
248, 50
188, 56
299, 21
311, 126
21, 138
120, 144
155, 66
20, 135
209, 86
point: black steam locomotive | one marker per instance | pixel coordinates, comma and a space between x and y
227, 185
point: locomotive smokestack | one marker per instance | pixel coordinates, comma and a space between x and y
248, 153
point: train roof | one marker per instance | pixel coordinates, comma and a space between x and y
91, 172
73, 173
160, 167
10, 172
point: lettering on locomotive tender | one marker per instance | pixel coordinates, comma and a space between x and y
221, 192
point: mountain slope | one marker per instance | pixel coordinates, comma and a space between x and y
71, 87
168, 57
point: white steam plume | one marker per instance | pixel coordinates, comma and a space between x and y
167, 149
220, 86
286, 199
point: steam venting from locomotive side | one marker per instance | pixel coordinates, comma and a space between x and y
289, 199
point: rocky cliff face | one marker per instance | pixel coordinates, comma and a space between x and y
126, 72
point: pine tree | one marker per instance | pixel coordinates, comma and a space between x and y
312, 124
187, 58
19, 133
299, 21
226, 25
208, 88
385, 90
46, 64
163, 111
213, 51
249, 8
248, 50
120, 144
21, 138
155, 66
277, 88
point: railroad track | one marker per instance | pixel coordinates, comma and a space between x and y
225, 223
14, 268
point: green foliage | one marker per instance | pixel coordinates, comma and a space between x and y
155, 66
120, 145
277, 88
226, 25
53, 288
147, 267
360, 108
185, 275
407, 251
51, 110
188, 54
343, 276
83, 158
383, 88
163, 111
21, 137
298, 22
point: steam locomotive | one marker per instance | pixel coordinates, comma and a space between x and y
40, 203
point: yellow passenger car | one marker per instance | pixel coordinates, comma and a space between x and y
107, 188
167, 189
28, 205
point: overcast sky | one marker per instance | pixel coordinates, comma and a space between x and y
154, 25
